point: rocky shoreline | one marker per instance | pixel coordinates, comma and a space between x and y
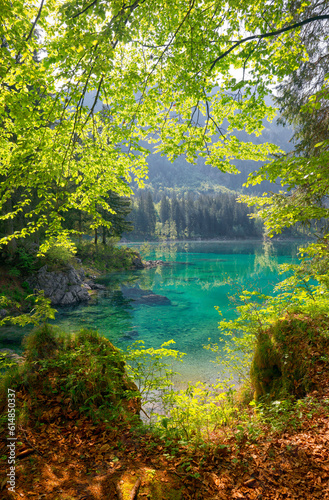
70, 287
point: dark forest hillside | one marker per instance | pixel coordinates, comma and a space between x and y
181, 176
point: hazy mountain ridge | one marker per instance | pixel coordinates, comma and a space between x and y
181, 176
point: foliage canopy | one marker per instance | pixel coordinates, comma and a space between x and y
163, 71
303, 100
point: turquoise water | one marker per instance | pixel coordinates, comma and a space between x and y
198, 277
195, 281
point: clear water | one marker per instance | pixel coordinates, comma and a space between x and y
198, 277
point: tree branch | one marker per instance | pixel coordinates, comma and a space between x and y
95, 100
36, 20
266, 35
124, 7
85, 9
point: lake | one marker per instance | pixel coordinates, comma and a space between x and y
197, 277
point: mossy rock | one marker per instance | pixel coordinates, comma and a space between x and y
84, 371
286, 356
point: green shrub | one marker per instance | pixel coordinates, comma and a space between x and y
26, 259
286, 354
57, 257
14, 272
6, 362
105, 258
41, 344
85, 371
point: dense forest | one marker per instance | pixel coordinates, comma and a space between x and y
204, 216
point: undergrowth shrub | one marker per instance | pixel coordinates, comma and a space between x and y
26, 259
84, 372
57, 258
42, 344
152, 371
188, 417
195, 413
287, 353
106, 257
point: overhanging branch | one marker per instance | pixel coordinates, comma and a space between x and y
85, 9
269, 34
35, 22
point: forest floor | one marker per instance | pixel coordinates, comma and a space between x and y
66, 457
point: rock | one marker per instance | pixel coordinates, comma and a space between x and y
63, 288
11, 355
137, 261
154, 263
81, 273
140, 296
3, 313
129, 335
95, 286
156, 300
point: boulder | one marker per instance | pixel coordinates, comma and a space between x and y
63, 288
137, 261
3, 313
90, 285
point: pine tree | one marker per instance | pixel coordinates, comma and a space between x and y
164, 209
150, 214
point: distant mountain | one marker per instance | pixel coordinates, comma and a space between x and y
181, 176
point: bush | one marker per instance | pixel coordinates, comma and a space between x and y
287, 354
41, 344
58, 257
105, 258
26, 259
85, 372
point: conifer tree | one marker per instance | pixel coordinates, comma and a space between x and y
164, 209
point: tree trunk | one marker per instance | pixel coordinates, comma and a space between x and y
12, 245
80, 226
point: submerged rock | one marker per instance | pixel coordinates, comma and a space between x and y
129, 335
138, 263
140, 296
90, 285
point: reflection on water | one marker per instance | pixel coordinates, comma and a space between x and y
198, 277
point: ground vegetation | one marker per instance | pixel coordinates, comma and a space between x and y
80, 435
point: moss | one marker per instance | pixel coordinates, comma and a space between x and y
286, 356
85, 372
